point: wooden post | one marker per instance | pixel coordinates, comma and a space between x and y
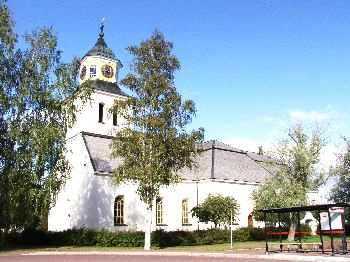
266, 245
279, 228
344, 244
319, 224
231, 230
298, 217
330, 231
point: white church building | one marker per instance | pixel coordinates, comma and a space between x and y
89, 198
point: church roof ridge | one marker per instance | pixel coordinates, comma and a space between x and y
221, 146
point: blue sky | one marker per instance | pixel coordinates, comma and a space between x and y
252, 67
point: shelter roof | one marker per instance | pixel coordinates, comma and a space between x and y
321, 207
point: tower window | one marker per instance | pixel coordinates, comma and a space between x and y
115, 119
185, 211
93, 71
119, 210
100, 112
159, 211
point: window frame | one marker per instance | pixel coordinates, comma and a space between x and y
93, 71
115, 119
159, 211
100, 112
119, 211
184, 212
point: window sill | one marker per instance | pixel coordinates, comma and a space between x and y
186, 225
161, 225
101, 122
120, 225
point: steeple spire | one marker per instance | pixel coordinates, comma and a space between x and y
101, 48
101, 28
100, 40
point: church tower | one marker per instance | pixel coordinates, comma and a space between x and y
101, 66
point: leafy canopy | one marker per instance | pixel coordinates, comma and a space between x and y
296, 171
341, 190
217, 209
155, 143
36, 94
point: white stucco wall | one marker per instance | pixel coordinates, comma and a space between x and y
67, 205
88, 116
88, 199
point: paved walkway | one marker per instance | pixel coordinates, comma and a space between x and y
254, 255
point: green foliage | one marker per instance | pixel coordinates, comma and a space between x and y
278, 191
155, 144
299, 157
296, 172
104, 238
341, 191
36, 94
216, 209
248, 234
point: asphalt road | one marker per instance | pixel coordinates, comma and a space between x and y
118, 258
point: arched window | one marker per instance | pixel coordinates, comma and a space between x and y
159, 211
185, 211
115, 119
100, 112
119, 210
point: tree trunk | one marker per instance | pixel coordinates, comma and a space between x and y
293, 227
148, 228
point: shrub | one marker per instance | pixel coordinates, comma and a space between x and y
248, 234
104, 238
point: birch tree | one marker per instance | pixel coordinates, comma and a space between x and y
36, 94
341, 190
296, 174
155, 145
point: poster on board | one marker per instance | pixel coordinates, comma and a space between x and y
336, 219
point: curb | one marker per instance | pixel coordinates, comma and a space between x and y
291, 257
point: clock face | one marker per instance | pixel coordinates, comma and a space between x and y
83, 73
107, 71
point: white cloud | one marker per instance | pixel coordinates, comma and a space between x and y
268, 119
309, 116
336, 126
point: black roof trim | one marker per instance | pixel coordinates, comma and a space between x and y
97, 135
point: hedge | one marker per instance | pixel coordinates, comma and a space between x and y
160, 238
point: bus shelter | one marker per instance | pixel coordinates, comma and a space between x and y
328, 223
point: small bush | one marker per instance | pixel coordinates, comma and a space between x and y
305, 229
248, 234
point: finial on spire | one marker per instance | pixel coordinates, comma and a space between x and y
102, 26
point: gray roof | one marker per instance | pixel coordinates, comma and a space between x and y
101, 48
221, 161
99, 150
108, 87
218, 161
